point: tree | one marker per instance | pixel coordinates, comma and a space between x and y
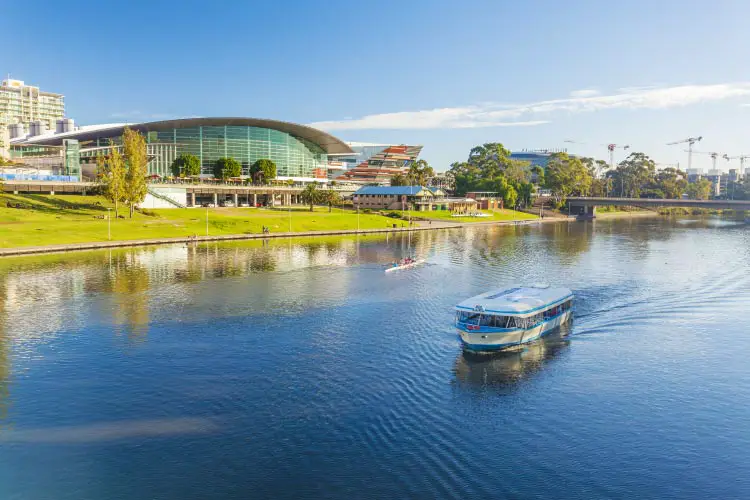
484, 167
136, 159
419, 172
507, 192
399, 180
263, 171
700, 190
525, 190
186, 165
111, 175
226, 168
633, 175
538, 171
518, 171
329, 197
566, 176
671, 182
310, 195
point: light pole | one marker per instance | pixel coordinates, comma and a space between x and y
109, 223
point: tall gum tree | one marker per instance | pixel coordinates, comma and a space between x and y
136, 159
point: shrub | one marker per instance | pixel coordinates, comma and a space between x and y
147, 212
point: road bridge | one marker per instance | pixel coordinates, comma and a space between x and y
585, 207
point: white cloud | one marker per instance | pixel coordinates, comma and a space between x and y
585, 93
515, 115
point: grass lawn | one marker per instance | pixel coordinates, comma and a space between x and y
495, 215
59, 219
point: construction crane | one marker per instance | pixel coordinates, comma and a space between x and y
690, 141
714, 156
742, 159
610, 147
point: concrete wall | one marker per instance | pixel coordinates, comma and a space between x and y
178, 194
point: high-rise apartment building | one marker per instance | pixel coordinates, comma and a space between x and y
21, 103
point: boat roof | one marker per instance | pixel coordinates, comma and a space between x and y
518, 300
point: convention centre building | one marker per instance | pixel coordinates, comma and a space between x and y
301, 153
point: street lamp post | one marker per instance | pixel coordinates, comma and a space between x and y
109, 223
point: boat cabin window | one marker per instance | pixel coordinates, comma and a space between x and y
558, 309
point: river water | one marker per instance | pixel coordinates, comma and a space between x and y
299, 369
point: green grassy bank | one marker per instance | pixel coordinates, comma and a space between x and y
61, 219
494, 216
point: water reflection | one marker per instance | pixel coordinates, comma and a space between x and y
506, 370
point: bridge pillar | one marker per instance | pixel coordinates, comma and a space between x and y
216, 200
192, 199
236, 200
255, 199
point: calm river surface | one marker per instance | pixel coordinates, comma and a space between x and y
301, 370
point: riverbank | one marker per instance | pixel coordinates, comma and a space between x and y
32, 224
81, 224
625, 214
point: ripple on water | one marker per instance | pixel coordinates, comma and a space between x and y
304, 371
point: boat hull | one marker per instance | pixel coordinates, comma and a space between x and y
405, 266
488, 341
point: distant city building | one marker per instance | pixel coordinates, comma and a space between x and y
718, 181
694, 174
373, 163
26, 104
536, 157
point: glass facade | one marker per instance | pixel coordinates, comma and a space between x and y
294, 156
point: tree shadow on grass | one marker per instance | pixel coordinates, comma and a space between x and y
57, 206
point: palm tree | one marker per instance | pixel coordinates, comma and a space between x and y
310, 195
330, 197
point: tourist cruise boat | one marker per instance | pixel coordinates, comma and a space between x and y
512, 316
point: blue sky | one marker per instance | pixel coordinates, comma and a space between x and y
445, 74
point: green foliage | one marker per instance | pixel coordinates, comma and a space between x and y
636, 177
700, 190
186, 165
399, 180
672, 182
419, 172
136, 159
539, 171
329, 197
633, 175
311, 195
111, 176
263, 171
567, 176
226, 168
